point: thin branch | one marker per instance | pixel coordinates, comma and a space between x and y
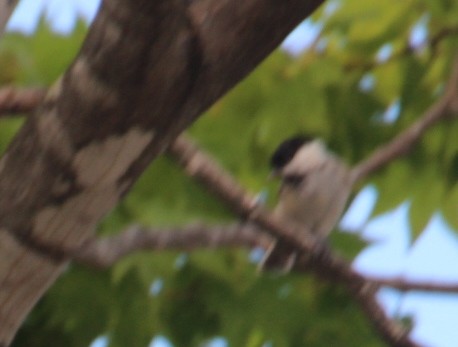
443, 33
403, 143
313, 255
6, 10
104, 252
406, 50
406, 285
20, 100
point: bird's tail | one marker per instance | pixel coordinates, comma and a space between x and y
279, 258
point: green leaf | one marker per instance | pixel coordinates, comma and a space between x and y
190, 306
388, 81
369, 24
425, 202
76, 310
348, 244
393, 187
44, 56
450, 207
378, 19
134, 321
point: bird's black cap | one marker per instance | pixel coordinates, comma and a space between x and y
287, 149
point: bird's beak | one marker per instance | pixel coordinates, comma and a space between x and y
273, 174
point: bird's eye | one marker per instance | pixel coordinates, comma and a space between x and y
293, 180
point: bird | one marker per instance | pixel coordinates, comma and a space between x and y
315, 187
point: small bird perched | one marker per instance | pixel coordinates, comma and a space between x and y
315, 187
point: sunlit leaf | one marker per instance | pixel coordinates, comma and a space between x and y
426, 199
393, 187
450, 207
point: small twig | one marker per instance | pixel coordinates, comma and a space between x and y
406, 50
20, 100
403, 143
104, 252
442, 34
6, 10
406, 285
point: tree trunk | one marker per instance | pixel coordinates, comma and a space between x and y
146, 71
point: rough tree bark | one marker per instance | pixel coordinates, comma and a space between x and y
146, 70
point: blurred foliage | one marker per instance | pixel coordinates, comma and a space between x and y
344, 88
